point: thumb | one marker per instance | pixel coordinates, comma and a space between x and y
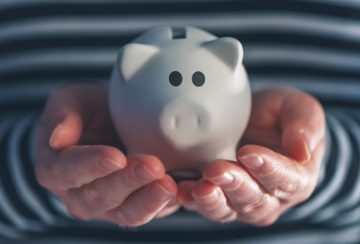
67, 132
303, 125
67, 110
61, 123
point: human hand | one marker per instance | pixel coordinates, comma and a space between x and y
77, 160
277, 167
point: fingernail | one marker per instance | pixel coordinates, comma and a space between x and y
252, 161
210, 198
143, 172
54, 141
307, 150
111, 165
223, 179
163, 192
307, 147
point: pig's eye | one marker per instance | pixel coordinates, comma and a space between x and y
198, 78
175, 78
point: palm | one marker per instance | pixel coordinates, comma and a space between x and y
278, 162
264, 126
279, 114
97, 181
99, 129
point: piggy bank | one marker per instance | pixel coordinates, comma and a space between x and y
181, 94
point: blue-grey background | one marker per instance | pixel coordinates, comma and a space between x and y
312, 45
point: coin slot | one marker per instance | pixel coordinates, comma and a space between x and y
178, 33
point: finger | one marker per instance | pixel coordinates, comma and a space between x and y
61, 123
263, 127
244, 194
280, 176
67, 131
66, 112
211, 202
170, 208
286, 120
144, 204
109, 192
185, 189
303, 125
77, 166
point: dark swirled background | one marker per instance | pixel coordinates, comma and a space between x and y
312, 45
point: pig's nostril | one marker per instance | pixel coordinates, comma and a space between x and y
175, 122
180, 119
197, 121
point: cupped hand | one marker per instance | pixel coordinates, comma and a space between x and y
278, 162
79, 160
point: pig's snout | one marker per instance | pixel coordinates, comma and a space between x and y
184, 123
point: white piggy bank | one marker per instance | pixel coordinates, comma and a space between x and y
181, 94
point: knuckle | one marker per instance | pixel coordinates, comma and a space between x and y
261, 201
253, 210
92, 197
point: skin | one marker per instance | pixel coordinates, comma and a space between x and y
277, 165
80, 159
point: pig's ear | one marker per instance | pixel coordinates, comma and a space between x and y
228, 49
133, 57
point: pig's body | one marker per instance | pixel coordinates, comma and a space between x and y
185, 122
